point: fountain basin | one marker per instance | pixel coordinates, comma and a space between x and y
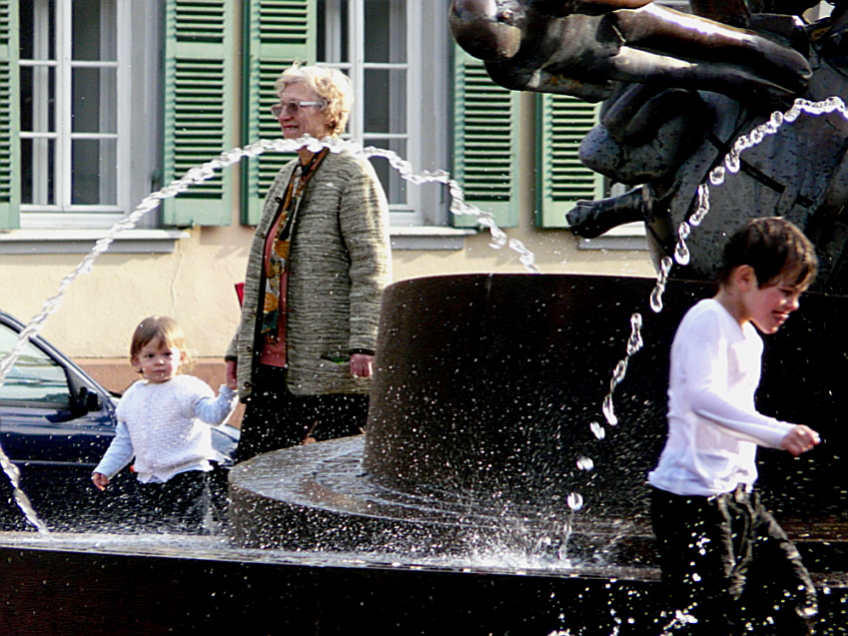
485, 390
376, 531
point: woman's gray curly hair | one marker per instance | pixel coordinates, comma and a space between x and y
331, 85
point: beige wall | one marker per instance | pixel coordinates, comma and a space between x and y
195, 284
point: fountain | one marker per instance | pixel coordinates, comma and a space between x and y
490, 495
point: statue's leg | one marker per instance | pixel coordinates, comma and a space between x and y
654, 161
670, 32
636, 115
739, 83
590, 219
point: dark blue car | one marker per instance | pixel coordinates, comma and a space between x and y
56, 422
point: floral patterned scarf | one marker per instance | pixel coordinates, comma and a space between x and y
279, 258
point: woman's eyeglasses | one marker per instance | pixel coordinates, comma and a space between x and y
292, 108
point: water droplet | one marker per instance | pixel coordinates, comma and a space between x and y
656, 298
732, 161
681, 253
597, 430
575, 501
717, 175
585, 463
608, 411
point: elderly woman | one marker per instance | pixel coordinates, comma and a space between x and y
303, 353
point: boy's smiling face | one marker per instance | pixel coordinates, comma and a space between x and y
768, 307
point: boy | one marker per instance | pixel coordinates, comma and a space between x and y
713, 535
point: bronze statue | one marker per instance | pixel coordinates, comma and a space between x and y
678, 91
801, 173
585, 48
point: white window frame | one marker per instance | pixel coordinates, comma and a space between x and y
409, 213
62, 214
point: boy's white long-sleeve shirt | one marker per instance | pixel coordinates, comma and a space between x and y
158, 425
713, 425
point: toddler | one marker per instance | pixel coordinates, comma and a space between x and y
158, 424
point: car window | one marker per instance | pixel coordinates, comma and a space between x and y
36, 377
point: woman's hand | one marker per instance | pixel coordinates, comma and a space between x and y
100, 480
232, 374
361, 365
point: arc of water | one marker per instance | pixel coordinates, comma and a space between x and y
198, 175
716, 177
634, 344
458, 204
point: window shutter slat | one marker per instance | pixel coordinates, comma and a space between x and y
562, 179
279, 32
200, 107
10, 150
485, 142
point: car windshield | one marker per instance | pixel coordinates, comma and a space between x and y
35, 378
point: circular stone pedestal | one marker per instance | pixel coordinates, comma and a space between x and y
487, 392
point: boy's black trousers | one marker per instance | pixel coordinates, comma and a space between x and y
728, 564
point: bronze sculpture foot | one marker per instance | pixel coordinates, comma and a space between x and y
590, 219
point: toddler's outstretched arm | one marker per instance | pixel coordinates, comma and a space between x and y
216, 410
118, 455
800, 439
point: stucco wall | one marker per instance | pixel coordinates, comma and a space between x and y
195, 284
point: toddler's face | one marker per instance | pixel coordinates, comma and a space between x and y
158, 362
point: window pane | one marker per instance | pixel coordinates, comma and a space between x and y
94, 100
93, 30
386, 109
385, 31
38, 99
333, 34
37, 30
93, 173
37, 171
393, 184
35, 377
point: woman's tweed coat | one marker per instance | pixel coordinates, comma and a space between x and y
340, 263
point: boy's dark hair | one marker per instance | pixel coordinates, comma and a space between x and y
775, 249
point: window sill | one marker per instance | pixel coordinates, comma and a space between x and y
81, 241
623, 238
429, 238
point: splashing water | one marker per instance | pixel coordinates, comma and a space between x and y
207, 171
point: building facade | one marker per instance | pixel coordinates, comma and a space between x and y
106, 101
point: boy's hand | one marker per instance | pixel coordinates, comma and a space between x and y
799, 440
100, 480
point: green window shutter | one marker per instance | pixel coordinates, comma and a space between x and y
485, 142
200, 105
277, 33
10, 124
563, 122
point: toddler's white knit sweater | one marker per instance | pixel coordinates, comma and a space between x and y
160, 425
